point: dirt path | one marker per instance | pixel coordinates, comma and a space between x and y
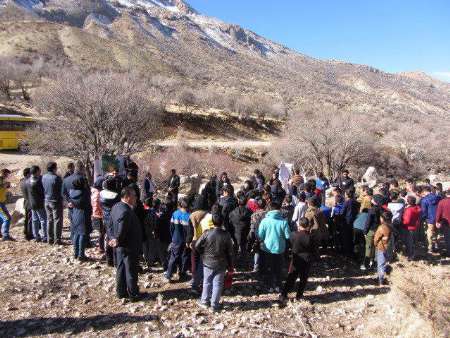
45, 292
235, 144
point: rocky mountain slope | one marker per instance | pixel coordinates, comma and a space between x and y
170, 37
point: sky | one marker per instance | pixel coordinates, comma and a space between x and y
392, 35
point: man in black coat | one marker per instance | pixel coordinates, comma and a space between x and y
346, 182
127, 240
35, 198
228, 204
52, 184
174, 185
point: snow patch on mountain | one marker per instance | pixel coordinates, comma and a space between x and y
150, 4
28, 4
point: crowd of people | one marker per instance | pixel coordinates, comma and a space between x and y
205, 237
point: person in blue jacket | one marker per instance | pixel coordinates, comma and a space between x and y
273, 233
179, 251
428, 205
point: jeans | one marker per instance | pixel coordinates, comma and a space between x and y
39, 224
79, 245
180, 257
381, 265
212, 286
5, 219
54, 211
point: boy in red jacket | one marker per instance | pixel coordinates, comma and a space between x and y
411, 222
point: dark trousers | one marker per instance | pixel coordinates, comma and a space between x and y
359, 240
347, 239
69, 216
97, 223
54, 211
126, 273
79, 245
272, 265
28, 225
179, 258
197, 269
110, 256
299, 267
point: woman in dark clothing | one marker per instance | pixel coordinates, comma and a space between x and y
79, 196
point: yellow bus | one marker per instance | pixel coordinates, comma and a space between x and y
12, 130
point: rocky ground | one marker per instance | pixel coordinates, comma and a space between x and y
44, 292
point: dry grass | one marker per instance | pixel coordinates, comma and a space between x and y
426, 287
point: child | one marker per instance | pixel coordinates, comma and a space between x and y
216, 248
302, 252
180, 254
149, 246
381, 242
97, 213
81, 217
359, 239
337, 215
411, 222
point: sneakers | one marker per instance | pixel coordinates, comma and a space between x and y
203, 305
362, 267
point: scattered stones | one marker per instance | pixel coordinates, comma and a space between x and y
71, 296
219, 327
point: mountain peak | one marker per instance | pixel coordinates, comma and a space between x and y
176, 6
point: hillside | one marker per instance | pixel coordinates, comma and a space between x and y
171, 38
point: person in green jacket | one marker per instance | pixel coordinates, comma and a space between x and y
273, 233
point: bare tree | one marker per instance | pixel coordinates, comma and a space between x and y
167, 88
6, 76
91, 115
324, 141
187, 99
